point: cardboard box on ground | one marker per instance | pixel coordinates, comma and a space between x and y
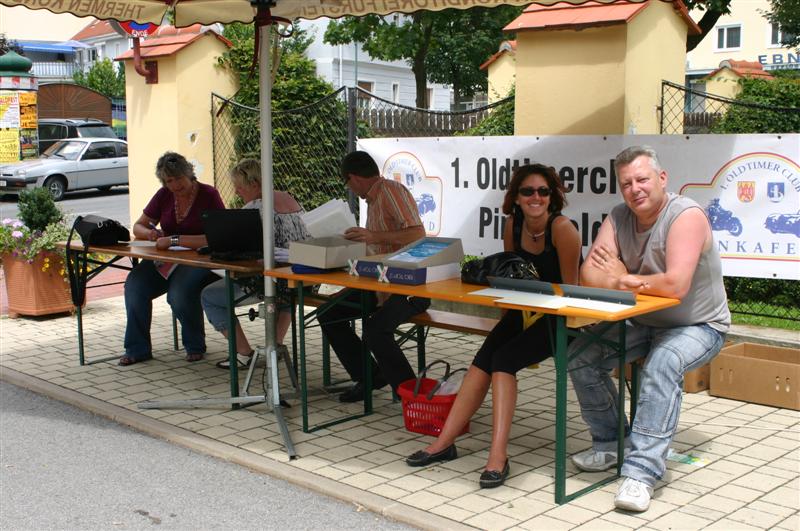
761, 374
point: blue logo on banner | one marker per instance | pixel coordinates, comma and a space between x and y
775, 192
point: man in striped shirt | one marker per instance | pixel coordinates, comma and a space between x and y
392, 222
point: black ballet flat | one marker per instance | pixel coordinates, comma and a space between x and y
423, 458
494, 478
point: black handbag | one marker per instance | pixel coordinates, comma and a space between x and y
97, 230
506, 264
93, 230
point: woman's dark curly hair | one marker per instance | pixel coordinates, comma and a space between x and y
557, 199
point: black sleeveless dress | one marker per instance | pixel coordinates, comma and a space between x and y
508, 347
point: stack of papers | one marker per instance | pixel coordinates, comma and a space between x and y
552, 302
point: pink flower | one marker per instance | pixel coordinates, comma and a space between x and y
7, 221
17, 224
16, 234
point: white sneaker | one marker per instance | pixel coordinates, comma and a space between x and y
592, 460
633, 495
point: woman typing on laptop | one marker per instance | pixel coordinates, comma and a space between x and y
175, 208
289, 226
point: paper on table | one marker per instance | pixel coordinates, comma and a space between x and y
141, 243
178, 248
610, 307
538, 300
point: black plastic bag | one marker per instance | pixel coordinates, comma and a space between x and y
506, 264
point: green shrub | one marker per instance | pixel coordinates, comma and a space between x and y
783, 94
37, 209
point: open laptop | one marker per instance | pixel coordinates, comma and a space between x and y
233, 234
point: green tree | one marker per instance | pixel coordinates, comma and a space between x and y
462, 41
786, 13
500, 121
104, 77
712, 10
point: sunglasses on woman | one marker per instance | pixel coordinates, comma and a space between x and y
528, 191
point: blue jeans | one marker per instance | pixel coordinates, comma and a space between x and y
183, 287
215, 303
669, 353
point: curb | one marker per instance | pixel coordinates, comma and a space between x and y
296, 476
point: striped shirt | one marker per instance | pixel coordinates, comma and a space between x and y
390, 207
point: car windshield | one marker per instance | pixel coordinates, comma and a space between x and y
102, 131
65, 150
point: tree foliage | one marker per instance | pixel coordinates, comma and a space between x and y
712, 10
9, 45
781, 93
786, 13
462, 41
104, 77
307, 146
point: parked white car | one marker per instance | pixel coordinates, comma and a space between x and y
70, 164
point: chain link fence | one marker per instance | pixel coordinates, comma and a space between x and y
309, 142
689, 111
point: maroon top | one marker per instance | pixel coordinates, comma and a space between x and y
162, 208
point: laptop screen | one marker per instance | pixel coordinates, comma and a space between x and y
233, 231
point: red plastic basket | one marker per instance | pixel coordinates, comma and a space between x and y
422, 415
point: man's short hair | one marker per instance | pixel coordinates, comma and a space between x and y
630, 154
359, 163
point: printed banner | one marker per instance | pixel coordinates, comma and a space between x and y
9, 110
748, 184
27, 110
9, 145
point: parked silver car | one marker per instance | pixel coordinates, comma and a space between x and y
70, 164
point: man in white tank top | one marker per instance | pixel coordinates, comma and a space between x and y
657, 243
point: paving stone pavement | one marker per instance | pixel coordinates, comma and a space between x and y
751, 479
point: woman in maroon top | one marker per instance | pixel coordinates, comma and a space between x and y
172, 217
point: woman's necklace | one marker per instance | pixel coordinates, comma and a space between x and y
535, 237
181, 215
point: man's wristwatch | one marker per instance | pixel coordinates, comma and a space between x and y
174, 240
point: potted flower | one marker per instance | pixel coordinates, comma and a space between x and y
34, 269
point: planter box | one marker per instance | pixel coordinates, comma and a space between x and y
32, 291
761, 374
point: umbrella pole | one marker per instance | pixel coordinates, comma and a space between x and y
272, 387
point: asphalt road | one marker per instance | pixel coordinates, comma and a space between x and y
64, 468
112, 204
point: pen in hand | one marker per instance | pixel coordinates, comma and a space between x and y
158, 233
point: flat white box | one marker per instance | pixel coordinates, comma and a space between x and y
326, 253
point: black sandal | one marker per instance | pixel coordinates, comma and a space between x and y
494, 478
191, 357
242, 361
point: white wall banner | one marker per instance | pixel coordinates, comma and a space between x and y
748, 184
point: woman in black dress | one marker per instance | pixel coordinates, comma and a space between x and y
536, 230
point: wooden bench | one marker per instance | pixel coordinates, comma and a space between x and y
422, 323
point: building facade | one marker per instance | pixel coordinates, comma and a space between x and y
743, 35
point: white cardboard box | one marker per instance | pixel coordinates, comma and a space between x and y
326, 253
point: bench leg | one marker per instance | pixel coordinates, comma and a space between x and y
634, 390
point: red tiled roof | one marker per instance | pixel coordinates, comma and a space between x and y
94, 29
747, 69
169, 40
591, 14
505, 47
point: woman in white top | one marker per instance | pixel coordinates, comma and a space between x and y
288, 226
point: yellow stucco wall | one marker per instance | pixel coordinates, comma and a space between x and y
570, 82
655, 51
501, 74
724, 83
173, 115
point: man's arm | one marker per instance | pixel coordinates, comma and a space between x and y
602, 269
400, 236
688, 237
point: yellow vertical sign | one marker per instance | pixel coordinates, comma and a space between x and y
9, 145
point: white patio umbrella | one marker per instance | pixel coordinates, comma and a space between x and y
188, 12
